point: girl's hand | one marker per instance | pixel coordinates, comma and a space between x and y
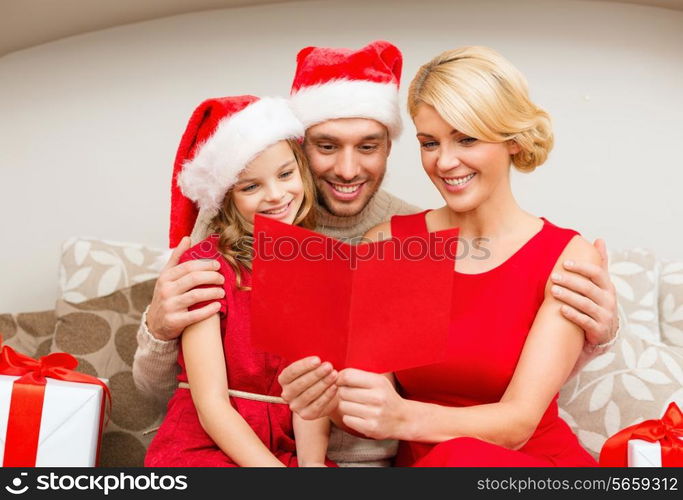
369, 404
308, 387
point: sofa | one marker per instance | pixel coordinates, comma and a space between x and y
104, 287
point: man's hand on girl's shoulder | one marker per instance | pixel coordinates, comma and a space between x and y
176, 291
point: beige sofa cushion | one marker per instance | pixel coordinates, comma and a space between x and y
634, 274
640, 375
92, 268
29, 333
671, 302
100, 333
635, 381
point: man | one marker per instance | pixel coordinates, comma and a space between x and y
348, 102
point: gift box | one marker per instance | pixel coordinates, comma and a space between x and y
50, 415
643, 453
652, 443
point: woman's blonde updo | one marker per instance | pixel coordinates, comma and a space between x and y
481, 94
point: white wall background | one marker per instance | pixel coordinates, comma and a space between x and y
89, 125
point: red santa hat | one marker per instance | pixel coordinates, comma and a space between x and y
342, 83
221, 138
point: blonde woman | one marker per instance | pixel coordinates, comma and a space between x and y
494, 403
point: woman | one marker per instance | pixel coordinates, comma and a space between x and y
494, 403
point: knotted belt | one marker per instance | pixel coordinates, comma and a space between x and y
245, 395
235, 394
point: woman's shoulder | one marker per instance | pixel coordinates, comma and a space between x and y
579, 249
574, 244
383, 231
399, 225
380, 232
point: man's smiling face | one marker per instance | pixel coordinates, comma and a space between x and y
348, 158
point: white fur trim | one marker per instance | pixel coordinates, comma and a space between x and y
236, 141
349, 99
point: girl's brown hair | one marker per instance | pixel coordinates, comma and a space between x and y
236, 233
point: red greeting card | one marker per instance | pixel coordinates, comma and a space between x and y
380, 307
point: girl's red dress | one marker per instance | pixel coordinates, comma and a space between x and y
492, 315
181, 441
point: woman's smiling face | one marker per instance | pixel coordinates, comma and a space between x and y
465, 170
270, 185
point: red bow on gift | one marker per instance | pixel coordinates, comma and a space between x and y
28, 392
666, 431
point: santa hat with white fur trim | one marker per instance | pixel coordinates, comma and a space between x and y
221, 138
341, 83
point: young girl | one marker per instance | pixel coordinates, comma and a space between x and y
238, 157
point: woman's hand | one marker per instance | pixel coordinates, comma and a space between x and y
308, 386
590, 299
370, 405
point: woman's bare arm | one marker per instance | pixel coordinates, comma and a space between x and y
369, 405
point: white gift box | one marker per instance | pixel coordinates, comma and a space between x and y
643, 453
69, 427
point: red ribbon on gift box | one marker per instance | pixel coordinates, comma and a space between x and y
28, 393
666, 431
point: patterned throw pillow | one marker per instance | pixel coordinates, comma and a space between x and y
92, 268
671, 302
640, 375
634, 275
101, 334
634, 381
28, 333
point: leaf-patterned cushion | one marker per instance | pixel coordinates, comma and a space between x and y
92, 268
671, 302
635, 381
640, 375
634, 274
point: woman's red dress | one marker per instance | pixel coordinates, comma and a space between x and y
491, 317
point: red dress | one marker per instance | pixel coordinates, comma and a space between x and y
492, 315
181, 441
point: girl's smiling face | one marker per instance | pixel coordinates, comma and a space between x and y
270, 185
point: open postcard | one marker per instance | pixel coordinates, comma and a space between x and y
380, 307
